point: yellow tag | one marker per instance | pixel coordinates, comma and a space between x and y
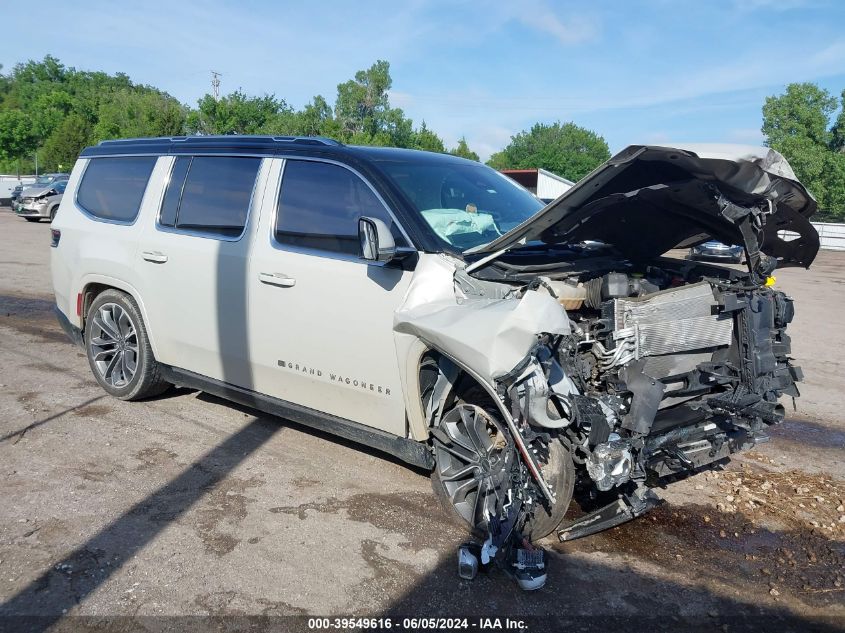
770, 281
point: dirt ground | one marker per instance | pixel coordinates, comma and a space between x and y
186, 505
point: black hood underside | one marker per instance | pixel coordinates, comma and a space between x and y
647, 200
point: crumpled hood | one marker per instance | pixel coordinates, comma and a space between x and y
489, 331
649, 199
35, 192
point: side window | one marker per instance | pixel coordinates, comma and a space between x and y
112, 188
210, 194
319, 206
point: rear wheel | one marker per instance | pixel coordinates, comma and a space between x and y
118, 348
475, 471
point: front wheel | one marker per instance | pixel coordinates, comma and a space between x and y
118, 348
476, 467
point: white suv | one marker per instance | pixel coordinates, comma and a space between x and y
429, 307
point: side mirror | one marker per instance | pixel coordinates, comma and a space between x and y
377, 243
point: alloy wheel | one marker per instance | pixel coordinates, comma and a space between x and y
113, 345
474, 462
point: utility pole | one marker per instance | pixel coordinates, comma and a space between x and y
215, 84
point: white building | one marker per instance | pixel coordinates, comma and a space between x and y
546, 185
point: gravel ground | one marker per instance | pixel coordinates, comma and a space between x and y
188, 505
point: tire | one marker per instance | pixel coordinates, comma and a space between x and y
118, 348
53, 213
32, 219
559, 472
557, 468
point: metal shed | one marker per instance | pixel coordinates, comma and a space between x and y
546, 185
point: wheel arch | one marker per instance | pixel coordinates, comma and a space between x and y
94, 285
441, 379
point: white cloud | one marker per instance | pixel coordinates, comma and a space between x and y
573, 29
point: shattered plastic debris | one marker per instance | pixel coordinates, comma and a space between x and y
468, 555
509, 550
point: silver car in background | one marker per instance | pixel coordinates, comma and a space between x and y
714, 250
38, 203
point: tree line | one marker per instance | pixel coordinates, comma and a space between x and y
54, 111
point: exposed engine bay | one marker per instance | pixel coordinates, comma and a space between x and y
598, 363
668, 368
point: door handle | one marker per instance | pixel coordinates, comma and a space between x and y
277, 279
156, 257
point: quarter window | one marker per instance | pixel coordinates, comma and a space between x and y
112, 188
210, 194
319, 206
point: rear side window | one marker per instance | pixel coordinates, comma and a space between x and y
210, 194
112, 188
319, 207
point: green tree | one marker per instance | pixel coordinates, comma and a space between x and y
564, 149
463, 150
133, 114
63, 146
835, 185
802, 112
236, 113
839, 126
315, 119
427, 140
799, 124
362, 102
363, 114
17, 138
56, 110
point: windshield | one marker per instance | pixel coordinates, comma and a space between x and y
43, 180
466, 205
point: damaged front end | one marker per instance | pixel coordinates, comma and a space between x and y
609, 366
673, 369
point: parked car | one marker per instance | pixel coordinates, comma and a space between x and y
43, 204
717, 251
16, 194
420, 304
33, 189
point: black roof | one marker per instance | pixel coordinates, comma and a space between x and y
255, 144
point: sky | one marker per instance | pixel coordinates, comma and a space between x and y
637, 71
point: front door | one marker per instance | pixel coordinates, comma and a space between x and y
321, 318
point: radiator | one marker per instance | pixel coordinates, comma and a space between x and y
673, 321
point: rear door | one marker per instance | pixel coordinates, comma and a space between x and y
193, 260
321, 318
